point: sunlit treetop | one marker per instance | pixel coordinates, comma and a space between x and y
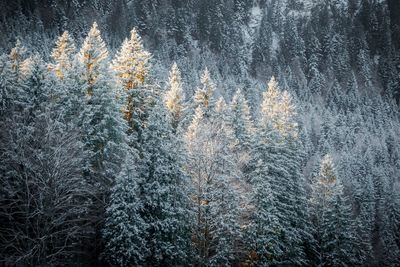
204, 94
174, 96
63, 54
93, 55
278, 111
131, 63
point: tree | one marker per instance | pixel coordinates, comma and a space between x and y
243, 129
209, 142
174, 96
242, 123
276, 164
102, 126
204, 95
63, 55
331, 216
40, 179
131, 66
165, 191
15, 70
125, 230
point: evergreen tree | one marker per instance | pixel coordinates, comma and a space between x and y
276, 164
125, 230
241, 119
102, 126
165, 190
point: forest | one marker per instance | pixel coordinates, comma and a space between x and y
199, 133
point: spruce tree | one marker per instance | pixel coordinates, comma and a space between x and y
125, 231
242, 123
276, 164
166, 193
101, 124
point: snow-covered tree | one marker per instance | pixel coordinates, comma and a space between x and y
276, 163
165, 191
63, 55
333, 229
174, 96
125, 231
101, 124
40, 179
209, 142
242, 123
131, 66
204, 95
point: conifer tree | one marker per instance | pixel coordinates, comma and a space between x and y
241, 120
166, 193
331, 216
125, 230
276, 164
209, 142
102, 126
174, 96
101, 122
204, 95
131, 66
15, 70
63, 55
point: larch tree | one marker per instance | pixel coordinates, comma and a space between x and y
174, 98
131, 66
63, 55
68, 95
333, 229
204, 95
209, 142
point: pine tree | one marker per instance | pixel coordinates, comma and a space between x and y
165, 190
174, 96
331, 216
